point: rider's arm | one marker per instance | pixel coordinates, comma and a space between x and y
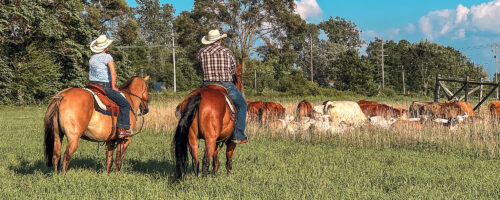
111, 66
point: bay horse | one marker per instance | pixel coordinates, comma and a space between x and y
204, 115
71, 112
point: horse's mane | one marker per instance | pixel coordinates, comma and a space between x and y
129, 81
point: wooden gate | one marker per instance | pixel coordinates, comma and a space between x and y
465, 86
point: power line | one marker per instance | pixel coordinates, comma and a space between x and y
145, 46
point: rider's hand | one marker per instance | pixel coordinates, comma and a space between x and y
114, 88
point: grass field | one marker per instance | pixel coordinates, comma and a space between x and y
269, 167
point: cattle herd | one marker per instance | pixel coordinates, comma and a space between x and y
337, 116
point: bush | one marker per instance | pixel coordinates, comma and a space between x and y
388, 92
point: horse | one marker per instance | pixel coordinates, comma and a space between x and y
71, 112
204, 115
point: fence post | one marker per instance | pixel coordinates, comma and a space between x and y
436, 89
480, 93
466, 88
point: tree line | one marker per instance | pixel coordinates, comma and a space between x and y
44, 48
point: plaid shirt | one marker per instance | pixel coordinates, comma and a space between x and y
218, 63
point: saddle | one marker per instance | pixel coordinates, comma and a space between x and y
232, 108
104, 105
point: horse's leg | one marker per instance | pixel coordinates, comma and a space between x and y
210, 146
56, 156
229, 155
193, 148
110, 148
120, 152
70, 150
215, 162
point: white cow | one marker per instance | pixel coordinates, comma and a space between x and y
347, 112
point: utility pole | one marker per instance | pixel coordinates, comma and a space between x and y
311, 57
173, 57
496, 64
255, 80
383, 75
403, 72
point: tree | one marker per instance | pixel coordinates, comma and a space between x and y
355, 74
342, 32
245, 21
155, 21
99, 14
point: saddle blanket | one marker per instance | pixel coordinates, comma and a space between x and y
101, 107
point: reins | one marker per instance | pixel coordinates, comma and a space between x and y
141, 104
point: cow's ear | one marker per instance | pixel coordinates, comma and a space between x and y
146, 78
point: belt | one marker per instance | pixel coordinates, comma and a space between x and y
102, 84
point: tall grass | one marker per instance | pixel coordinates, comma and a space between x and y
474, 139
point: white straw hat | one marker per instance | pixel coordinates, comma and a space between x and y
212, 36
101, 43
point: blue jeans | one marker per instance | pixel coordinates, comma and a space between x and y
241, 115
123, 120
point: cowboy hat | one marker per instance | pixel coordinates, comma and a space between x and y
101, 43
212, 37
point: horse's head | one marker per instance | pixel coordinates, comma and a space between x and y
137, 87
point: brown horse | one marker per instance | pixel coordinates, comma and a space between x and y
204, 115
71, 112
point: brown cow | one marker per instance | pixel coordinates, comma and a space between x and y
372, 108
260, 111
494, 108
273, 110
304, 109
465, 106
432, 110
254, 110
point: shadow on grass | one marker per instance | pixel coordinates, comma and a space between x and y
39, 166
159, 167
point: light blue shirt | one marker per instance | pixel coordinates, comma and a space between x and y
98, 67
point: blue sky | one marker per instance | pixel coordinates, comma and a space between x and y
471, 26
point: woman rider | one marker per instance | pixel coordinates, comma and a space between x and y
102, 72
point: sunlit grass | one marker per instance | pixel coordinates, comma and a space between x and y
361, 163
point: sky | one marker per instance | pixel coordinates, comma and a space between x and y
470, 26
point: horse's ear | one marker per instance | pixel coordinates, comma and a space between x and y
146, 78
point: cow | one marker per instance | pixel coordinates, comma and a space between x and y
372, 109
261, 111
318, 111
494, 108
465, 106
304, 109
347, 112
433, 110
254, 110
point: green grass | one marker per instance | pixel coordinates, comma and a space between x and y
265, 168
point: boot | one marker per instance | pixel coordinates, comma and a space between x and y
122, 133
240, 141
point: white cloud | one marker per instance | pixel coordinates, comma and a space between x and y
455, 23
462, 13
410, 28
486, 16
308, 8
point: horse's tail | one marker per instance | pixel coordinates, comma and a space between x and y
51, 124
180, 142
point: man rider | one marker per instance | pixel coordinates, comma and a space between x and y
219, 66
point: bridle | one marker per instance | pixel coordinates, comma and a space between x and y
143, 106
